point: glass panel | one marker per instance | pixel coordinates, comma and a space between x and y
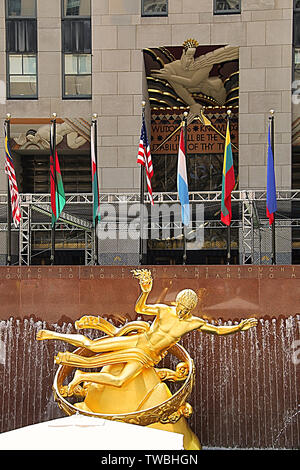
21, 8
297, 28
21, 85
84, 63
77, 8
297, 65
79, 85
71, 64
13, 7
15, 64
297, 5
76, 36
227, 6
154, 7
21, 35
29, 64
28, 8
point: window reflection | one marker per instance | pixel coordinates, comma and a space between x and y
154, 8
26, 8
77, 8
78, 80
22, 76
227, 6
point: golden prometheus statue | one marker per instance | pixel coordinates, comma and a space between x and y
128, 386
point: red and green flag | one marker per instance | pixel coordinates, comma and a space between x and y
58, 199
228, 180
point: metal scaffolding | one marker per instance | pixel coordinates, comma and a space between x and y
25, 235
249, 219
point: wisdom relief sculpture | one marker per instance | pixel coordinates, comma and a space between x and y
190, 75
75, 132
128, 385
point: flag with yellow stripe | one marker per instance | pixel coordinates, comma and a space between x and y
228, 180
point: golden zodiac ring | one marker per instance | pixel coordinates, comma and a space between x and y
170, 411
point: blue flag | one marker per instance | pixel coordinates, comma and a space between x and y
182, 183
271, 185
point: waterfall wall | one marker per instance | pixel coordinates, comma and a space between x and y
246, 393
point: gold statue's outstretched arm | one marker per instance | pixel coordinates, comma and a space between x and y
146, 281
142, 308
227, 330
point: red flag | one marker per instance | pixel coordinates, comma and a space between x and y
13, 187
144, 158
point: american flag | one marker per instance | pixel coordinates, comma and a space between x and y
144, 158
13, 187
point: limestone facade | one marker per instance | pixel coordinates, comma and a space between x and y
263, 31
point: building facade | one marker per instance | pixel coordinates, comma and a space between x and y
77, 58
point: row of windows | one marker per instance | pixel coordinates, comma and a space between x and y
27, 8
22, 48
21, 44
22, 76
160, 7
82, 8
221, 7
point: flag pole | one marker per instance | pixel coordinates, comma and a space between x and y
228, 258
53, 149
94, 123
9, 215
184, 123
142, 196
271, 119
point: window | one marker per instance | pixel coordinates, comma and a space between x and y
296, 38
77, 8
77, 49
22, 76
21, 8
21, 49
154, 7
297, 5
76, 36
226, 7
21, 35
77, 80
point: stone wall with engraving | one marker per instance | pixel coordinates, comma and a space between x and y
228, 292
245, 392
